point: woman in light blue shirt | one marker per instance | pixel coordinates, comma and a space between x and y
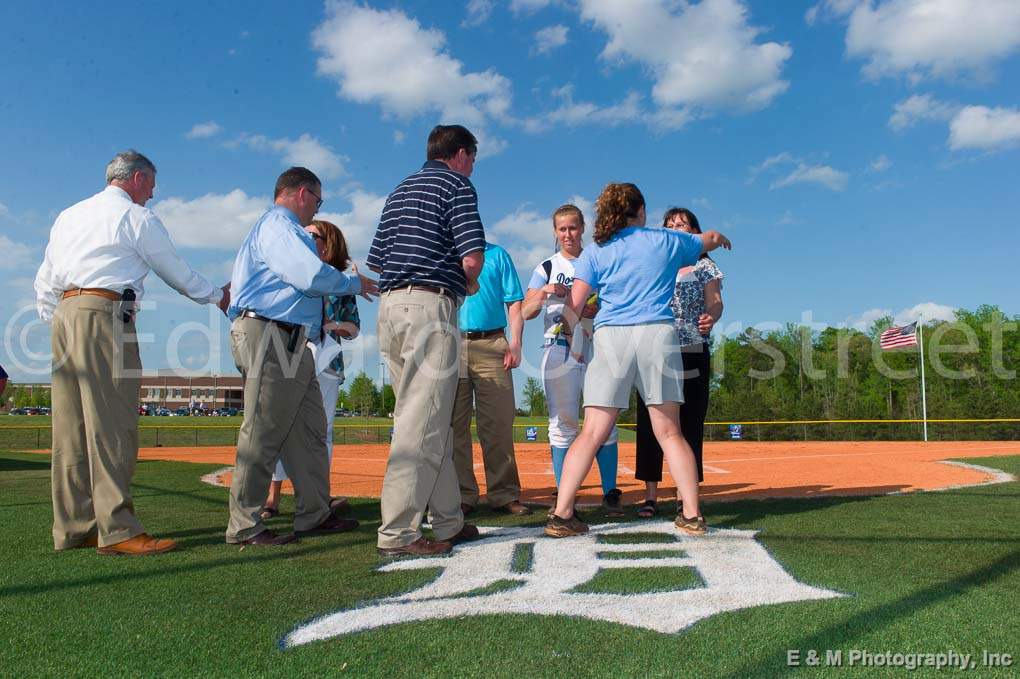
634, 270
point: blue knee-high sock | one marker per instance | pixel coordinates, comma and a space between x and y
607, 458
558, 455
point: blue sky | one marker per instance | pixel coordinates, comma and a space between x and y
862, 156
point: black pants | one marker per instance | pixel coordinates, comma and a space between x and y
697, 373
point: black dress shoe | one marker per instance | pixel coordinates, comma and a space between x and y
268, 537
330, 525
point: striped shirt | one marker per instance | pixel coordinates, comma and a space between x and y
430, 222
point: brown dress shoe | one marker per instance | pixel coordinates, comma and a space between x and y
420, 547
271, 538
516, 508
467, 533
331, 524
138, 545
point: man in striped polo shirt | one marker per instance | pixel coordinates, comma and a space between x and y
428, 251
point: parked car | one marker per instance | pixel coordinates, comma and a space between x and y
162, 411
17, 411
183, 411
228, 412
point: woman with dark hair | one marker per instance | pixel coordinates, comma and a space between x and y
696, 305
340, 321
633, 269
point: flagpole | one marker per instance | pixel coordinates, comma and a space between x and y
924, 399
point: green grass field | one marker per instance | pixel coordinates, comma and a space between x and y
927, 572
25, 432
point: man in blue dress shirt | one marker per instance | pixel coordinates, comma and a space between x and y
278, 285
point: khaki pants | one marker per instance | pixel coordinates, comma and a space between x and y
96, 381
419, 338
283, 417
484, 382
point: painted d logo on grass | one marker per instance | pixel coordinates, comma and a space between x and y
487, 577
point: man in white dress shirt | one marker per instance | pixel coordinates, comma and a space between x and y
99, 250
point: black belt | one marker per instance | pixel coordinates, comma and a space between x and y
294, 330
289, 327
481, 334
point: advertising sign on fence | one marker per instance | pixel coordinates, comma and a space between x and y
736, 431
531, 434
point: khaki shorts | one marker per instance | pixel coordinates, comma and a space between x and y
626, 356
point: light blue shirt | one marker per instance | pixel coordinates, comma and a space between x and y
278, 274
498, 285
635, 273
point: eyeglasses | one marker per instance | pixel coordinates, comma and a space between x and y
318, 198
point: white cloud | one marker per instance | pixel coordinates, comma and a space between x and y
15, 255
803, 173
526, 234
217, 221
359, 224
629, 110
388, 58
203, 130
920, 107
573, 113
814, 174
702, 55
478, 12
988, 129
926, 311
926, 38
701, 203
306, 151
399, 136
865, 320
528, 6
4, 211
880, 164
787, 218
549, 38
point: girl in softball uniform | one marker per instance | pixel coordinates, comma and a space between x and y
634, 270
563, 363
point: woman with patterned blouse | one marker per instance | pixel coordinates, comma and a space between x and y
697, 305
340, 321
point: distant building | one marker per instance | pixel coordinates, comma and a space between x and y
173, 390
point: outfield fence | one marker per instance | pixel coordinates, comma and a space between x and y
27, 437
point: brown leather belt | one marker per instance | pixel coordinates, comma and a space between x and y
426, 288
99, 292
481, 334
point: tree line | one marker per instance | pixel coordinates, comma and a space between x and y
802, 373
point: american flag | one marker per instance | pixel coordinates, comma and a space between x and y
894, 338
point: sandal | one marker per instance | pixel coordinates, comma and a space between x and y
269, 513
649, 509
